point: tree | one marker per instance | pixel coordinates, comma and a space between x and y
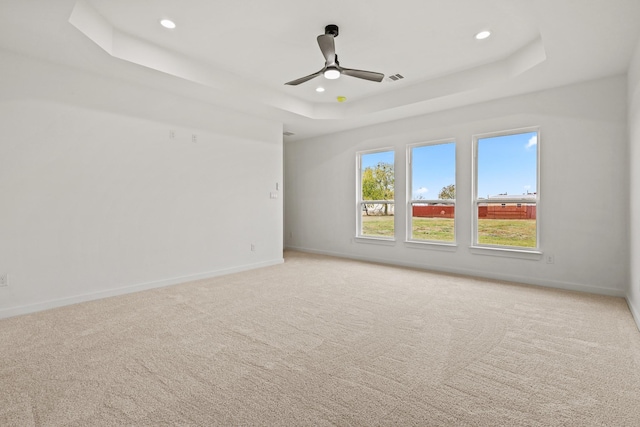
378, 184
448, 192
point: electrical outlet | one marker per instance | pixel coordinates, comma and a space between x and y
172, 134
4, 279
253, 247
194, 138
550, 259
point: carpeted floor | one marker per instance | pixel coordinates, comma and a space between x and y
326, 341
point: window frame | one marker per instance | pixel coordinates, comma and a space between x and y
411, 201
359, 202
492, 249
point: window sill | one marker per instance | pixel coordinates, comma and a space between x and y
385, 241
533, 255
438, 246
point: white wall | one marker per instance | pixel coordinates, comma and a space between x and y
96, 199
633, 295
584, 186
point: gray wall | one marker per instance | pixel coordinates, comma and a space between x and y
634, 158
97, 200
584, 186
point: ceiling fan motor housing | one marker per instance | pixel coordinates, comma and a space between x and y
331, 29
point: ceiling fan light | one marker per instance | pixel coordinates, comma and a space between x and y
331, 73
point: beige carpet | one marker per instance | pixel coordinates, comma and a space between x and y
326, 341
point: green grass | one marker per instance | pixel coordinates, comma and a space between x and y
440, 229
507, 232
377, 225
504, 232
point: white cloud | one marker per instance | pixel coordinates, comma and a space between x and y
422, 190
532, 141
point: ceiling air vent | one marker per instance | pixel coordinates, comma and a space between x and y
395, 77
287, 133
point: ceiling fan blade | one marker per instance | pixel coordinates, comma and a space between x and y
304, 79
328, 48
367, 75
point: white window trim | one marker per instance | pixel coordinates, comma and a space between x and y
431, 244
499, 250
359, 237
506, 251
375, 240
420, 243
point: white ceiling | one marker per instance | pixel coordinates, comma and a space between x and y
240, 53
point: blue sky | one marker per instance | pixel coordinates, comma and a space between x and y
433, 167
505, 164
372, 159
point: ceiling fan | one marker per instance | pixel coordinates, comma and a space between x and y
332, 69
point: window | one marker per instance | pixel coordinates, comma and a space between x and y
506, 189
376, 185
432, 189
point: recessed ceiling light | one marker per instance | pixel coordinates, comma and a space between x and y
319, 89
483, 35
168, 23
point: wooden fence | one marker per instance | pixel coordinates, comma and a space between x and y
433, 211
488, 212
507, 212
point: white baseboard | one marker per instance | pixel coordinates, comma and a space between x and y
569, 286
634, 312
60, 302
